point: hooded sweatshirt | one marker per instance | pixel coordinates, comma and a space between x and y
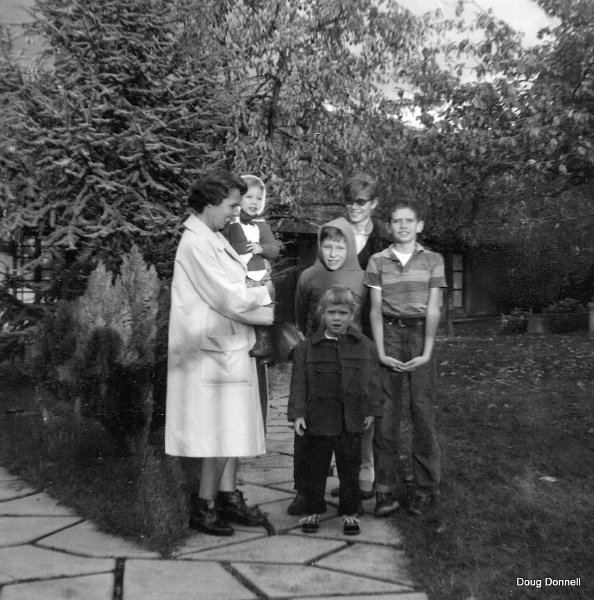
317, 279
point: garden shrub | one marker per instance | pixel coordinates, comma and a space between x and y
98, 351
515, 322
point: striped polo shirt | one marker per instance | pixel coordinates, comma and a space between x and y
405, 289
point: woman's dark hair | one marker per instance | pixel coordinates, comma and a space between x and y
213, 188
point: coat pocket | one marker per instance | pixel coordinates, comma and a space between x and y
225, 360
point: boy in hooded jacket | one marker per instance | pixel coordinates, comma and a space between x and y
336, 265
251, 237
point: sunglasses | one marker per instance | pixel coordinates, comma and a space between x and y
358, 201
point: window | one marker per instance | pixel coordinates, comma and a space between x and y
457, 281
13, 256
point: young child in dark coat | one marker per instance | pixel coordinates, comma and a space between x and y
334, 397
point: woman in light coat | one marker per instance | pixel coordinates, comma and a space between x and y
213, 407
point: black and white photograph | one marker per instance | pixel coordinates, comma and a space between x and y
296, 299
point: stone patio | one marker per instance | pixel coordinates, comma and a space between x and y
47, 552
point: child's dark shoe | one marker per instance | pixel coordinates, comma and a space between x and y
263, 347
310, 524
350, 525
232, 506
385, 504
298, 506
422, 502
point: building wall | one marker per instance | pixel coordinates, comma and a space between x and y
485, 290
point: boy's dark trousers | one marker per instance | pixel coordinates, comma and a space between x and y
315, 456
404, 343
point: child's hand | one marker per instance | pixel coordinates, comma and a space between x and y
368, 422
416, 362
392, 363
299, 426
254, 248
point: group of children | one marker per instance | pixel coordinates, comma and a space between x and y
347, 391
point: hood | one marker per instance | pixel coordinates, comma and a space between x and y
254, 179
351, 263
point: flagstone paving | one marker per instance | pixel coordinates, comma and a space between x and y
47, 552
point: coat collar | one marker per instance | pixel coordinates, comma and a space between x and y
197, 226
320, 336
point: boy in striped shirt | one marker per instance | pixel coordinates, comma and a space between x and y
406, 282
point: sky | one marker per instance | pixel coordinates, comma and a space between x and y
524, 16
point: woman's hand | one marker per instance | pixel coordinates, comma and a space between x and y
368, 422
299, 426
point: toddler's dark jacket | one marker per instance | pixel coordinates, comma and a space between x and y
335, 384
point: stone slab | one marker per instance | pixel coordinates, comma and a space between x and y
6, 476
279, 436
14, 488
87, 540
265, 476
281, 521
283, 446
156, 580
37, 504
200, 541
92, 587
275, 549
379, 562
29, 562
289, 581
22, 530
373, 531
266, 462
257, 494
397, 596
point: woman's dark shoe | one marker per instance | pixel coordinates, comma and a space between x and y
205, 518
232, 506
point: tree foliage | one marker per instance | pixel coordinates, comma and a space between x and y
101, 142
144, 94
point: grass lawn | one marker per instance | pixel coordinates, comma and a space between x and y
516, 428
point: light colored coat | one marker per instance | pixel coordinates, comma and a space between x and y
213, 406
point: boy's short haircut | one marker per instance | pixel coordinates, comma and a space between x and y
331, 233
362, 183
338, 294
213, 188
406, 199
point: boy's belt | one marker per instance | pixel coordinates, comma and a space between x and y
404, 321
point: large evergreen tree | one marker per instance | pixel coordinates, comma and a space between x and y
99, 144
